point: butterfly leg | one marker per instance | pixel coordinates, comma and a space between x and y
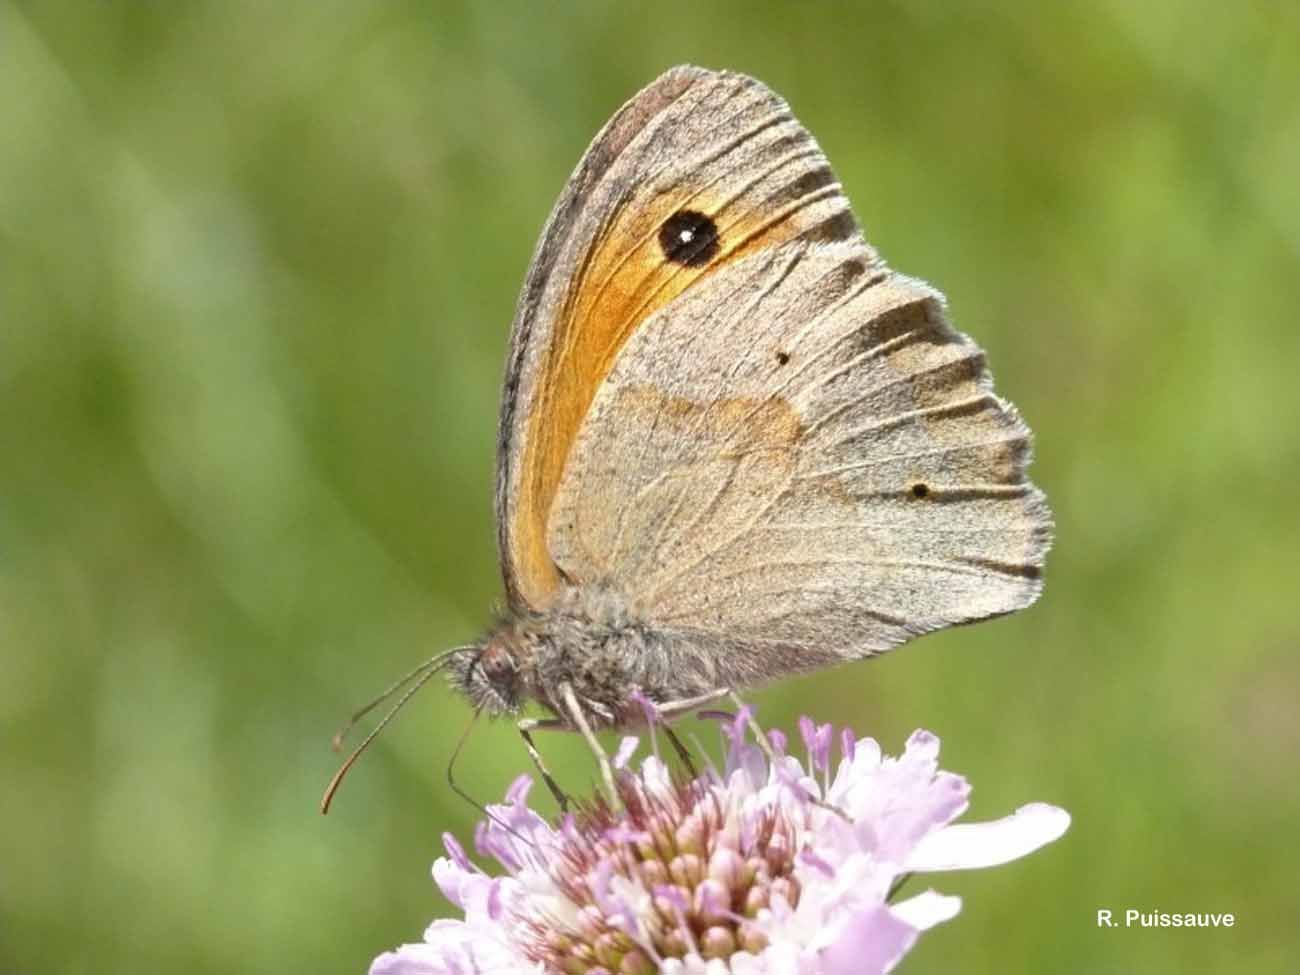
683, 755
765, 746
673, 709
669, 710
583, 725
526, 726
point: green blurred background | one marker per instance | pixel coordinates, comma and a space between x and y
258, 263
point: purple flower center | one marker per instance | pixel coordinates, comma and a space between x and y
676, 872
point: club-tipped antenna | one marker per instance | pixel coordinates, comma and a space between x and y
420, 675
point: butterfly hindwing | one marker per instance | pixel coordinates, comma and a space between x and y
801, 457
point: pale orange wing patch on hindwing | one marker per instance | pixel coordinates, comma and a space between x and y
721, 171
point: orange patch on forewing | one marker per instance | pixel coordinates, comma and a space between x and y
735, 425
625, 280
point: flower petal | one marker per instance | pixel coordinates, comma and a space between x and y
927, 909
967, 846
409, 960
625, 749
871, 941
894, 802
451, 879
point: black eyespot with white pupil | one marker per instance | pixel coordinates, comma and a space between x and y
689, 237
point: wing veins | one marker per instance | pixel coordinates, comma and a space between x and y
877, 461
954, 408
740, 532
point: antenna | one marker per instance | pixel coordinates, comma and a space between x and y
420, 675
423, 672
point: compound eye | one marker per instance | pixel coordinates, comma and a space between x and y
496, 663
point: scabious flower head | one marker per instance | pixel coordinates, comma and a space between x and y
764, 867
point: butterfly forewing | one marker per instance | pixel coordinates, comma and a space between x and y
698, 171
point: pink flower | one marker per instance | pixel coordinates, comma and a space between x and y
762, 868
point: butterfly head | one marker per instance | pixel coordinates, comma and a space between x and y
489, 675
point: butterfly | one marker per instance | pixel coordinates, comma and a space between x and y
734, 444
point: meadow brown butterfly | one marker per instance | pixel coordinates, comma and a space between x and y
734, 444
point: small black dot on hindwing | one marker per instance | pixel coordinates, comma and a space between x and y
689, 237
920, 490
